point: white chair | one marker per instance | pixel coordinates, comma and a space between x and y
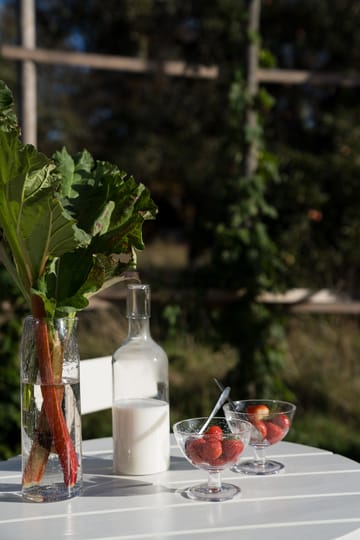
95, 384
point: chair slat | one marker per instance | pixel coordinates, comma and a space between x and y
95, 384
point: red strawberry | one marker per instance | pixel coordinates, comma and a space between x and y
261, 427
232, 448
212, 448
194, 449
218, 462
257, 412
274, 433
216, 431
282, 420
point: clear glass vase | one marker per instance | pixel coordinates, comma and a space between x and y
50, 410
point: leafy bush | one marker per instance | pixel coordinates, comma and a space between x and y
11, 313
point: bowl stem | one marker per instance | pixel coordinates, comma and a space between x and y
260, 457
214, 482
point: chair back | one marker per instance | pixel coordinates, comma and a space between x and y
95, 384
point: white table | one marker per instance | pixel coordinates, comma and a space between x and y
317, 496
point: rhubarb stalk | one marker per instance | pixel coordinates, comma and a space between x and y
56, 425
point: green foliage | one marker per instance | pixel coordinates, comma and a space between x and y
321, 349
96, 425
12, 310
318, 238
323, 372
302, 37
246, 258
193, 364
64, 214
313, 129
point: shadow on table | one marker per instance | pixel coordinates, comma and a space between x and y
12, 464
97, 486
99, 479
10, 493
103, 465
180, 464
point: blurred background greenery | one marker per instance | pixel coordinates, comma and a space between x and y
222, 237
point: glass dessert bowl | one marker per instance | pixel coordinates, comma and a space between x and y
270, 420
217, 448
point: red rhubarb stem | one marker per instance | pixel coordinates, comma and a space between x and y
52, 405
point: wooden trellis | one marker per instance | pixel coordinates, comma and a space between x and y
29, 56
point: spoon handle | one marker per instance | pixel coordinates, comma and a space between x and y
220, 402
221, 386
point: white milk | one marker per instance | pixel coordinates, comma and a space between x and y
141, 436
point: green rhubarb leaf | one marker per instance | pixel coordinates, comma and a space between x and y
73, 171
112, 208
85, 197
20, 177
34, 225
69, 226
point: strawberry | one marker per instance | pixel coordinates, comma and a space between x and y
212, 448
218, 462
274, 433
232, 448
257, 412
216, 431
283, 421
194, 449
260, 426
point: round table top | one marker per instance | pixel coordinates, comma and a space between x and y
316, 496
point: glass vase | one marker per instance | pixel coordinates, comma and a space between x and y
50, 410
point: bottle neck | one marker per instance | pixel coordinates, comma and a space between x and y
139, 328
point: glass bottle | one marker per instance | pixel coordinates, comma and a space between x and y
140, 411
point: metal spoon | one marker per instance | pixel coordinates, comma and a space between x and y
222, 387
220, 402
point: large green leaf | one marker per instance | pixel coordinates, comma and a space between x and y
112, 207
23, 172
34, 224
69, 226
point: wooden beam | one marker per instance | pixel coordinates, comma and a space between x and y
348, 308
252, 83
109, 62
172, 68
294, 77
323, 301
28, 73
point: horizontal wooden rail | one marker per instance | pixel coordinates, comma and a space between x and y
295, 300
172, 67
308, 301
109, 62
291, 76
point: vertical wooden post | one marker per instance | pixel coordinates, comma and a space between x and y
251, 158
28, 73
